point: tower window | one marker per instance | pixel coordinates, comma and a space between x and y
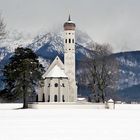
49, 85
56, 85
55, 98
69, 33
65, 40
72, 40
69, 40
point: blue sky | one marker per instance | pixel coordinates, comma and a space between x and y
106, 21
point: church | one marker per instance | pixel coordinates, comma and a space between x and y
59, 79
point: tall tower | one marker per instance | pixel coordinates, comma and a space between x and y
69, 57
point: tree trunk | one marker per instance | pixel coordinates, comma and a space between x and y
25, 101
103, 97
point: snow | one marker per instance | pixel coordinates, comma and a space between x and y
110, 101
68, 124
56, 72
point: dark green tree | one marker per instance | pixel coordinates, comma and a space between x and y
22, 74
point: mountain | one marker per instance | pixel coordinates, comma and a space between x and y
48, 45
130, 94
129, 76
129, 63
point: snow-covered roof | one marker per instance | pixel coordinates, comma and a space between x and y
56, 72
110, 101
57, 62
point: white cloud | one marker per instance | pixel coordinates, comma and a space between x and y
113, 21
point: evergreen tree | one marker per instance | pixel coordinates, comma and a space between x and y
22, 74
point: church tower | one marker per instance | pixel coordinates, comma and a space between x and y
69, 57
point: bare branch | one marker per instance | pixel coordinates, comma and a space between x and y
100, 71
2, 28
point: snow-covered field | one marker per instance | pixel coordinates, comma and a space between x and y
68, 124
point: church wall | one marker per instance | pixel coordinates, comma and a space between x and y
69, 62
40, 91
56, 86
64, 90
63, 86
53, 89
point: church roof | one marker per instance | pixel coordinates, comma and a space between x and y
57, 62
56, 72
69, 23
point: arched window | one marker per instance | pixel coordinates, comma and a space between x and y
65, 40
69, 40
72, 40
43, 98
56, 85
63, 98
48, 98
55, 98
37, 98
63, 85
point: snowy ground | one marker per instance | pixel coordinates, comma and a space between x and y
69, 124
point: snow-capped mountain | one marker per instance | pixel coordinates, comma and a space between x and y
129, 68
129, 75
48, 45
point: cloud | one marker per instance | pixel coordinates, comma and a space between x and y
112, 21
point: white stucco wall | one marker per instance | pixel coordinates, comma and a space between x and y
69, 62
51, 90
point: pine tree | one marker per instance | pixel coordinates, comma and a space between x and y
22, 74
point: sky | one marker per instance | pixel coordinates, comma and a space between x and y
116, 22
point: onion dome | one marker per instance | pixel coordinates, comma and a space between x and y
69, 25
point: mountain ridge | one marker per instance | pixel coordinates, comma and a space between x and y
48, 46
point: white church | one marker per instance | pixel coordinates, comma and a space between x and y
59, 79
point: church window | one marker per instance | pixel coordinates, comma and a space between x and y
48, 98
49, 85
69, 40
56, 85
72, 40
37, 98
69, 49
63, 85
63, 98
55, 98
69, 33
43, 98
65, 40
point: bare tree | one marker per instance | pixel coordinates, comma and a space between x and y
100, 71
2, 28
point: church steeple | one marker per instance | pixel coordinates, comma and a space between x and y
69, 57
69, 19
69, 25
